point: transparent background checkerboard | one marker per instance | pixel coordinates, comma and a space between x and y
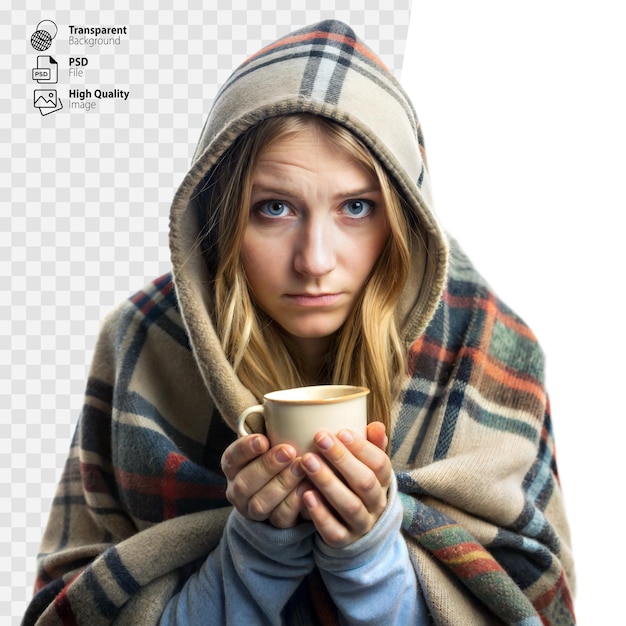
85, 200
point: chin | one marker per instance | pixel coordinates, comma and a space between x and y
312, 326
312, 334
312, 331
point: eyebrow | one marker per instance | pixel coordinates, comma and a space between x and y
273, 190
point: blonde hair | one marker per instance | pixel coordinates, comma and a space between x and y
367, 350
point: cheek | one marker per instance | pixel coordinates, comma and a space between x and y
254, 249
252, 260
368, 250
359, 260
261, 263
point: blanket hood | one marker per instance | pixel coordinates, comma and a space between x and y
325, 70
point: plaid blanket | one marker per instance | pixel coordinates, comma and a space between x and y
141, 500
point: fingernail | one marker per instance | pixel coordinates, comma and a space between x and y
324, 442
283, 455
311, 463
346, 436
257, 444
310, 499
297, 469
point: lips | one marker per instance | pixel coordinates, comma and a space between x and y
313, 299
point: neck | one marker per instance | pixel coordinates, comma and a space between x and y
312, 353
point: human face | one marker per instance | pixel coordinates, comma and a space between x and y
317, 226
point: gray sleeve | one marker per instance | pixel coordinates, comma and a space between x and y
248, 578
372, 581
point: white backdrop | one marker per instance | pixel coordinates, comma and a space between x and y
524, 112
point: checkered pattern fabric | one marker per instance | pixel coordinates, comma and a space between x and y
475, 385
85, 204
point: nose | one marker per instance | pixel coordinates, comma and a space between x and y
315, 252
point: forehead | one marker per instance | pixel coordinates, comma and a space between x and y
314, 148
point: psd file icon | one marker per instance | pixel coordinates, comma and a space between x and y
46, 101
47, 70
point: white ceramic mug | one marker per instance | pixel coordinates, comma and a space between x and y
295, 415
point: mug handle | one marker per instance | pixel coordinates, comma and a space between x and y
241, 421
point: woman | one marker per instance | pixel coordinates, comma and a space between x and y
305, 251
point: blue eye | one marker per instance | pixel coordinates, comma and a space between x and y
358, 208
274, 208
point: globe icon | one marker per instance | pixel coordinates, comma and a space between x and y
41, 40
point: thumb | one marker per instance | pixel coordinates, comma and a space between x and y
376, 435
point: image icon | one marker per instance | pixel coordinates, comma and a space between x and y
47, 70
42, 38
46, 101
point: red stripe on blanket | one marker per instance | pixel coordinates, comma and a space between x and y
493, 368
147, 306
430, 348
490, 306
468, 559
319, 34
163, 284
153, 485
561, 588
63, 607
505, 375
170, 486
93, 480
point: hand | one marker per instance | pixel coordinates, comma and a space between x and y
345, 510
262, 481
